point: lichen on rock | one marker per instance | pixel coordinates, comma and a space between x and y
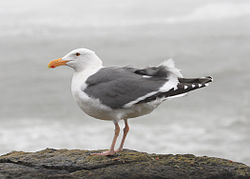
52, 163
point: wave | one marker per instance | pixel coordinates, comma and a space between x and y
209, 12
205, 13
217, 11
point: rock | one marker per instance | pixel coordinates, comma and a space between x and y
51, 163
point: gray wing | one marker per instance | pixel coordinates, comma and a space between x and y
118, 86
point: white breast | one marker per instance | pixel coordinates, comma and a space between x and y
92, 107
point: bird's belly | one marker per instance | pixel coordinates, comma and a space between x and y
96, 111
93, 107
140, 110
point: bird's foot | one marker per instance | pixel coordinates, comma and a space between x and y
106, 153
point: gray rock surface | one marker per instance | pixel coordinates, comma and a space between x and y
51, 163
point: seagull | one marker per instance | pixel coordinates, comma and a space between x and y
119, 93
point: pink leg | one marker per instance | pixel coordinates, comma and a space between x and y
111, 150
125, 132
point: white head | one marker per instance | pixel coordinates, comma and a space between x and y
78, 59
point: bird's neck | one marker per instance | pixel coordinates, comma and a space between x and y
80, 77
83, 72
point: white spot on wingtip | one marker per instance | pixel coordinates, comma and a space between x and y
200, 85
206, 84
146, 76
193, 85
185, 87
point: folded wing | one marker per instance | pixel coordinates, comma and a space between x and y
122, 87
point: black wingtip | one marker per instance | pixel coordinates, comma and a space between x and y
210, 79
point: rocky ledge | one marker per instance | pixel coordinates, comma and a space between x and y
51, 163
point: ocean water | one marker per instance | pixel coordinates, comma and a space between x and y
204, 38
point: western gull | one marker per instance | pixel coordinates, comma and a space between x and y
120, 93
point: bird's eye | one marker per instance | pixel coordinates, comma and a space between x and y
78, 54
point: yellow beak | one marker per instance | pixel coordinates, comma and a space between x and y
57, 62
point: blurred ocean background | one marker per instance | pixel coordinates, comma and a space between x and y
208, 37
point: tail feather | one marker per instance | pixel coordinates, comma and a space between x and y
190, 84
185, 85
202, 80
